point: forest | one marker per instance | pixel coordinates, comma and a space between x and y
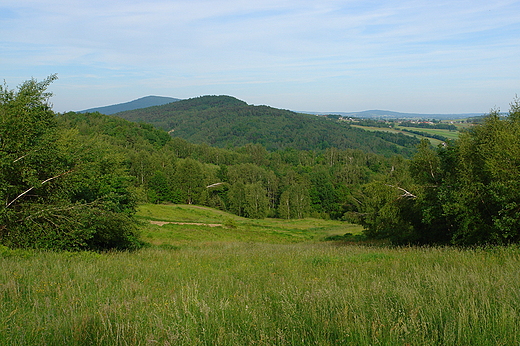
226, 122
73, 181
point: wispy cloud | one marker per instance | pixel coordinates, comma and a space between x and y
264, 51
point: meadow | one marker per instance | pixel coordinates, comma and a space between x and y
287, 287
398, 129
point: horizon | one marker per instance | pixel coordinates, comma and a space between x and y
296, 111
447, 57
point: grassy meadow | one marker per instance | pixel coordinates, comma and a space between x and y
259, 282
445, 133
194, 225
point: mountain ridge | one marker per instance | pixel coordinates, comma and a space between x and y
150, 101
142, 102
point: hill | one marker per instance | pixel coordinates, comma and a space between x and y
143, 102
224, 121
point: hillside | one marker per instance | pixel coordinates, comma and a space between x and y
143, 102
174, 225
225, 121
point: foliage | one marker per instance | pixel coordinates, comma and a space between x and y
487, 177
224, 121
56, 192
464, 192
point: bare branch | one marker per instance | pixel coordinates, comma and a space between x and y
20, 195
213, 185
57, 176
21, 157
405, 194
29, 189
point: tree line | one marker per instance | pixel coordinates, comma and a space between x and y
464, 192
249, 181
73, 181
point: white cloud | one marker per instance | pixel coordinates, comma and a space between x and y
201, 45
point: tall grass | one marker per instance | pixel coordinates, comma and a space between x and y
262, 294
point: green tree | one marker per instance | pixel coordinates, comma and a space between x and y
257, 203
294, 202
382, 207
236, 197
160, 189
190, 180
487, 206
324, 197
464, 192
55, 192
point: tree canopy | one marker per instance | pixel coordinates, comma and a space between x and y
56, 192
224, 121
463, 192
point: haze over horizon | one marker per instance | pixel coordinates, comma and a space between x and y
332, 56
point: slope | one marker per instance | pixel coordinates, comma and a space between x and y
224, 121
143, 102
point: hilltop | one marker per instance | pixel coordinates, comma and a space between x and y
224, 121
143, 102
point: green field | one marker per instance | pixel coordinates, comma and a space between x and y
446, 133
213, 225
259, 282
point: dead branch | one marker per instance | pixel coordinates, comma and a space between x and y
214, 185
31, 188
20, 195
405, 194
21, 157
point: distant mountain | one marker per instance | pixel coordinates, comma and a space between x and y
224, 121
381, 114
143, 102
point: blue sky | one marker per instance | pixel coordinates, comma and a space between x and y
418, 56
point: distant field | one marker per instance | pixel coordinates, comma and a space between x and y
259, 282
393, 130
446, 133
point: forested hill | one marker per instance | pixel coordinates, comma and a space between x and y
225, 121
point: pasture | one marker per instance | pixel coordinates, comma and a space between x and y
231, 285
398, 129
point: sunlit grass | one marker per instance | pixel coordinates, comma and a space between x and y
445, 133
191, 224
262, 294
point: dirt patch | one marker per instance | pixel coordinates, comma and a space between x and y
161, 223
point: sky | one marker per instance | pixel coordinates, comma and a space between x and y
417, 56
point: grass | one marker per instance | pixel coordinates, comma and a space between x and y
234, 291
446, 133
233, 228
263, 294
